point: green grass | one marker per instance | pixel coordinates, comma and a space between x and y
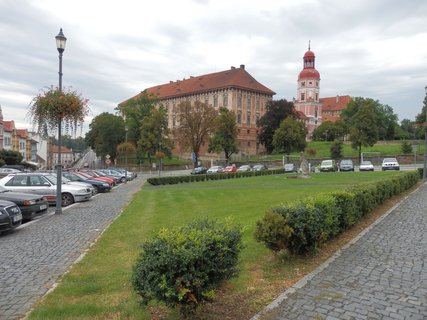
98, 287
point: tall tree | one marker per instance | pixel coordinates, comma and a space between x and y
196, 124
154, 135
134, 111
421, 117
290, 136
364, 129
225, 135
106, 131
329, 131
276, 111
385, 119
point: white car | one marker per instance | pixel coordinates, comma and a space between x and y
390, 164
45, 185
215, 169
366, 166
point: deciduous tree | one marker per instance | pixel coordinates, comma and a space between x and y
154, 136
106, 131
276, 111
225, 136
290, 136
196, 124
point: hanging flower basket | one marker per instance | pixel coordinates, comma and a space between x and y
52, 105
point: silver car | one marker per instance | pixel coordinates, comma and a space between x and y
45, 185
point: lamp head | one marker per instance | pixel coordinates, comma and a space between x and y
60, 41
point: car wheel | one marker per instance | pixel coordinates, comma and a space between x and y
95, 191
122, 180
67, 199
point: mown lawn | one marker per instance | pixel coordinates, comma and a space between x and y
98, 287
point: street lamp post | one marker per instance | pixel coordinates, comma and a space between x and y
60, 45
425, 140
126, 155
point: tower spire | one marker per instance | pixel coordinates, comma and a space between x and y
308, 44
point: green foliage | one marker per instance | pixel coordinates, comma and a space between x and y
290, 136
134, 111
224, 138
154, 135
52, 105
305, 224
183, 266
329, 131
106, 132
336, 149
406, 147
11, 157
276, 112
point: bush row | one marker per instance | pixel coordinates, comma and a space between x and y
215, 176
300, 227
182, 267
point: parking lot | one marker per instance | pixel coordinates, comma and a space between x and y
38, 253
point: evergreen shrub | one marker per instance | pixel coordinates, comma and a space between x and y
183, 266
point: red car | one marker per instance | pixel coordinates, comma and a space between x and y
230, 169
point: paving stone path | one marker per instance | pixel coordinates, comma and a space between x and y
382, 275
34, 257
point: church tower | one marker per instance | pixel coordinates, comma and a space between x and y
307, 100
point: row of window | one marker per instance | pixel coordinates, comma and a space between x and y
316, 96
310, 83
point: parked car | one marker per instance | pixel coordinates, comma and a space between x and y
259, 167
244, 168
328, 166
10, 216
45, 185
121, 176
229, 169
290, 167
390, 164
346, 165
199, 170
5, 171
129, 174
366, 166
100, 186
215, 169
29, 204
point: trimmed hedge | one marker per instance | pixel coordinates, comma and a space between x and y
301, 226
156, 181
183, 266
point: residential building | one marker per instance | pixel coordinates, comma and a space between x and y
67, 156
234, 89
10, 141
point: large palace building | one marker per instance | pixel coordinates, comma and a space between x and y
234, 89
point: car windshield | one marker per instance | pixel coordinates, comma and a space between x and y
346, 162
326, 162
366, 163
390, 160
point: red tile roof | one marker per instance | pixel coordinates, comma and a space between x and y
235, 77
9, 125
327, 117
301, 115
23, 133
337, 103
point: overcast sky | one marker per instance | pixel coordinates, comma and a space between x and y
115, 49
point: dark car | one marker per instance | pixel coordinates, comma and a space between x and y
346, 165
29, 204
259, 167
98, 185
199, 170
10, 216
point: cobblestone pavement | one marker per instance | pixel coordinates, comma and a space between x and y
35, 256
382, 275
